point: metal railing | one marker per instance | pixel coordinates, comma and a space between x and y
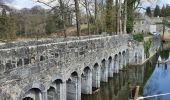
157, 95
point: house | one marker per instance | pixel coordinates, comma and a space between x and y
142, 24
145, 24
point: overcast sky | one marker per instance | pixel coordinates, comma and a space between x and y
30, 3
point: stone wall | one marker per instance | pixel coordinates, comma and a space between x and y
155, 44
28, 66
136, 49
136, 52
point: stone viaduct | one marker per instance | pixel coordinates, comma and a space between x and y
62, 70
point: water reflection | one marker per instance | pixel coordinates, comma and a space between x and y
114, 89
164, 54
153, 78
159, 82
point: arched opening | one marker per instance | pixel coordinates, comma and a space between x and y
73, 87
110, 67
51, 93
59, 89
96, 76
33, 94
28, 98
104, 71
116, 64
86, 81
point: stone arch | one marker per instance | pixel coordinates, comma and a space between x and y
51, 93
104, 71
26, 89
28, 98
96, 76
116, 63
110, 67
86, 81
73, 87
34, 94
59, 89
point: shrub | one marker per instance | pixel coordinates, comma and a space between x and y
138, 37
147, 45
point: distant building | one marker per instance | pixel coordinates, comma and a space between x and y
142, 24
145, 24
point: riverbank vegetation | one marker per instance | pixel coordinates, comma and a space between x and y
147, 45
138, 37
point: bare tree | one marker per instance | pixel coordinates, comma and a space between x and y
85, 3
96, 10
62, 12
120, 16
125, 16
63, 16
117, 17
77, 11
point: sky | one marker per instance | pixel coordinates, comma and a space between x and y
19, 4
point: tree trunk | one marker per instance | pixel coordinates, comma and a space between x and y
117, 17
87, 12
109, 16
96, 26
77, 11
125, 17
102, 17
63, 17
120, 16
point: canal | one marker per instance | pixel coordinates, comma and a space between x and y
153, 79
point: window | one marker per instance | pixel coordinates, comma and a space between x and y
42, 58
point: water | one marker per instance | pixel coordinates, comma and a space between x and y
152, 78
159, 82
114, 89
